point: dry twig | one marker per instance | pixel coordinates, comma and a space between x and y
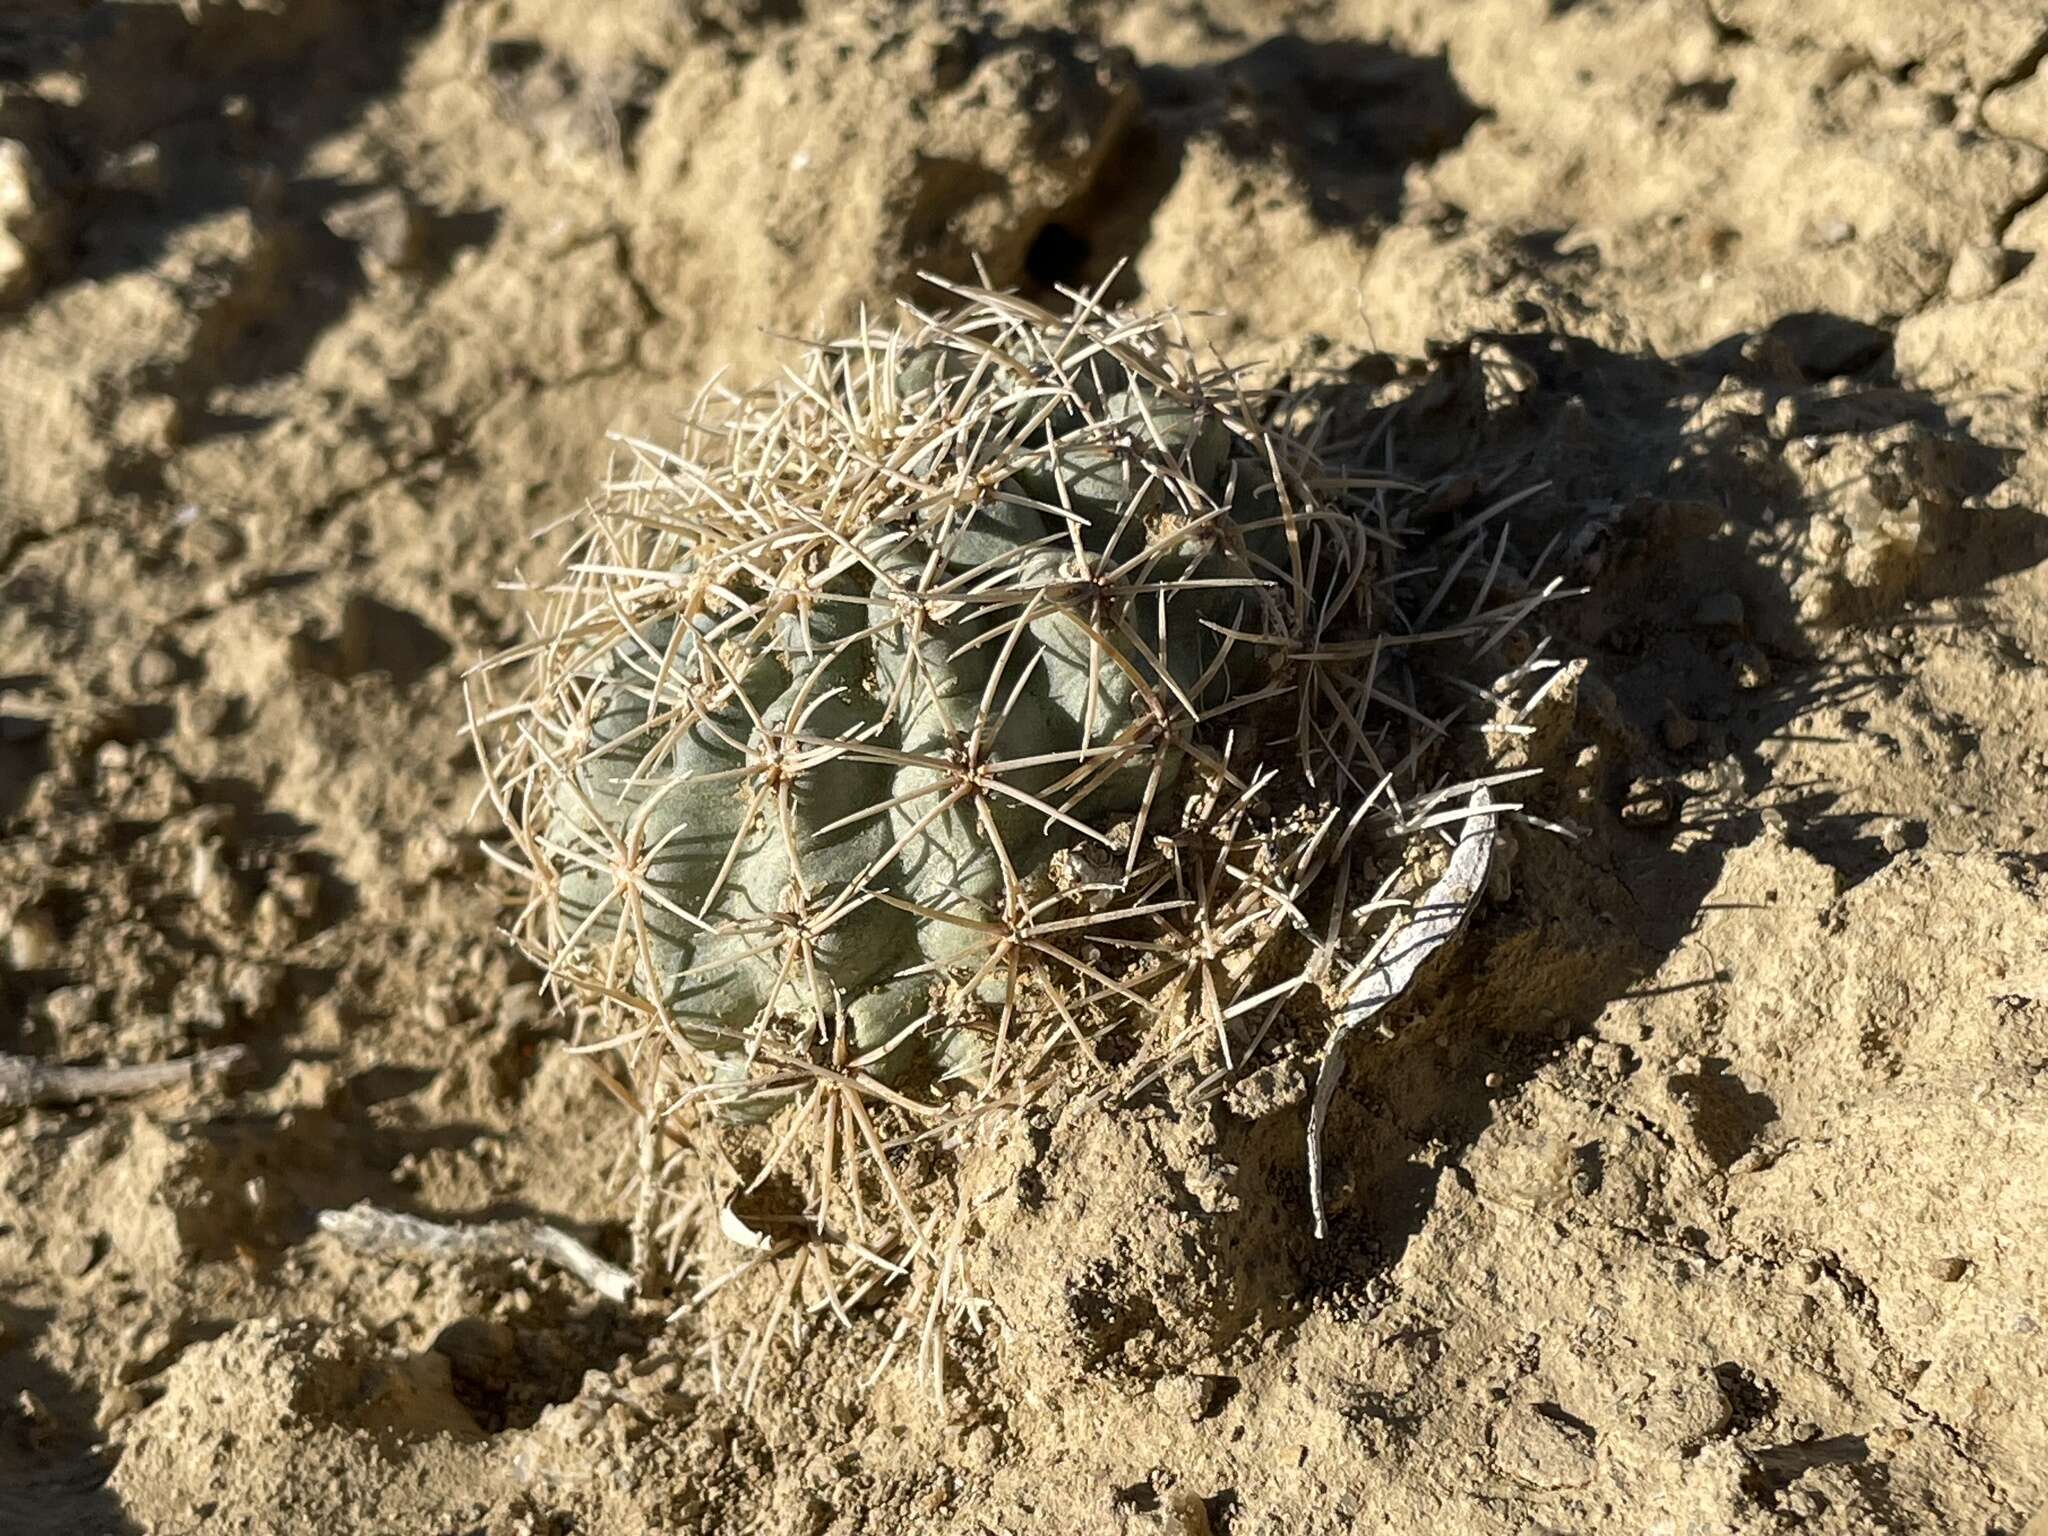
25, 1081
371, 1229
1385, 975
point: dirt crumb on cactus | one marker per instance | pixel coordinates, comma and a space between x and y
1695, 1189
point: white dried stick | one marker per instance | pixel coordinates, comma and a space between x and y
1385, 975
372, 1229
25, 1081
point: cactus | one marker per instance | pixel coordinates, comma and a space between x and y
989, 685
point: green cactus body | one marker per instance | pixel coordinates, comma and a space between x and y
971, 685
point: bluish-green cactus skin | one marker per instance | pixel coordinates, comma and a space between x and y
1056, 630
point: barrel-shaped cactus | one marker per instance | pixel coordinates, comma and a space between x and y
987, 685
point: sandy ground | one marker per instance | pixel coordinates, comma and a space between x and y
1704, 1191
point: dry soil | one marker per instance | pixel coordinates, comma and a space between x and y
1703, 1190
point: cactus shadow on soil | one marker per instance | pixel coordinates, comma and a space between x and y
1686, 512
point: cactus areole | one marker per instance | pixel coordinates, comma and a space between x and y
923, 715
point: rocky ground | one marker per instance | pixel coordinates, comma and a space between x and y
1704, 1190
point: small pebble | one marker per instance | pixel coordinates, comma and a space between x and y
26, 209
213, 884
155, 670
72, 1256
34, 1423
980, 1447
1677, 728
28, 223
435, 854
273, 922
254, 986
1686, 1409
212, 541
1950, 1269
17, 272
1748, 666
1609, 1058
31, 941
1978, 270
384, 225
300, 893
139, 168
152, 425
71, 1008
1802, 1504
1649, 803
202, 714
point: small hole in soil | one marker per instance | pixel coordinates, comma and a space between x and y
1057, 255
508, 1377
1142, 1497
